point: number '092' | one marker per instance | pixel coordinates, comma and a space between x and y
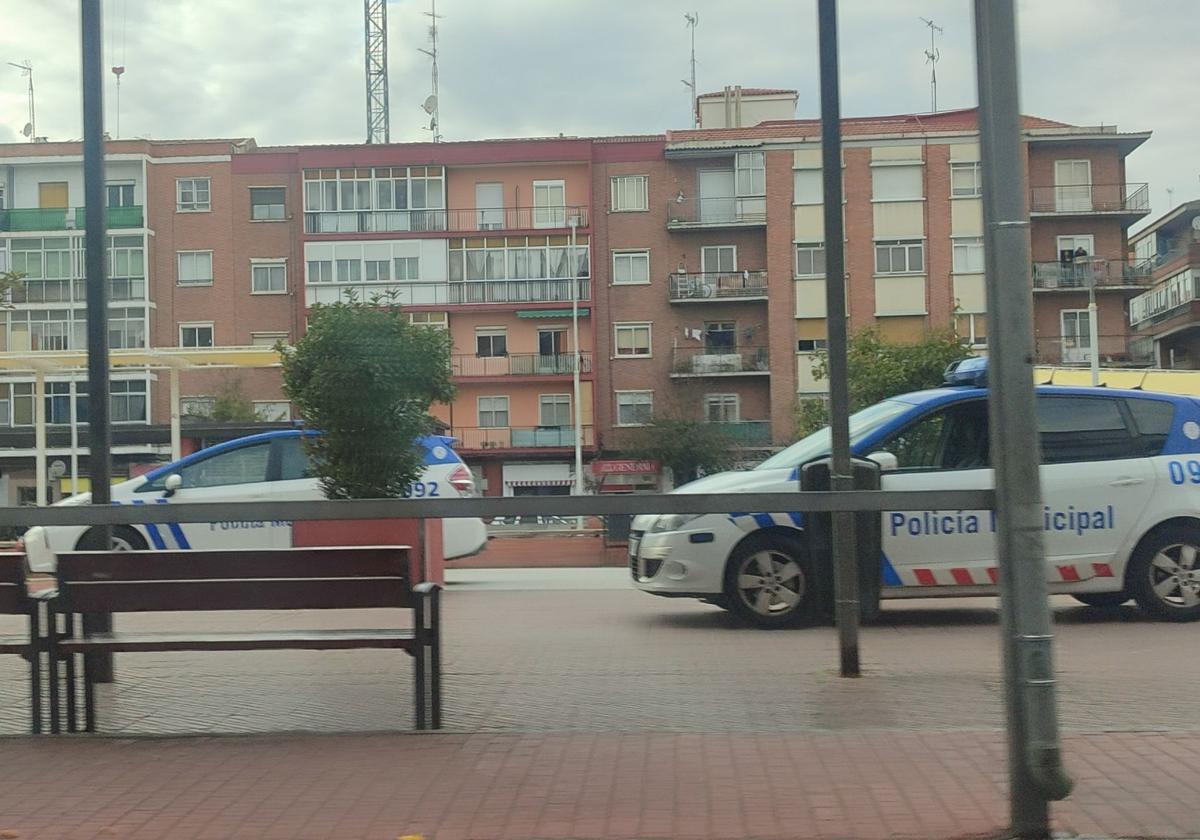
1182, 472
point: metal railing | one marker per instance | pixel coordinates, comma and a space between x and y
1114, 350
717, 212
483, 438
1091, 272
747, 432
1090, 198
66, 218
1165, 300
465, 292
520, 364
717, 285
717, 361
466, 220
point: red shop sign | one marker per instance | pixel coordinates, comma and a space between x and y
616, 467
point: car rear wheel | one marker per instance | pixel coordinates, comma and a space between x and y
769, 582
1102, 599
1164, 574
124, 538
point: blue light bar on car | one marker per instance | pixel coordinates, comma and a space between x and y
972, 371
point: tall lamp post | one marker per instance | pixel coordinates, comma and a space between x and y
573, 222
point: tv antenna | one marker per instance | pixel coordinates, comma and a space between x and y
30, 129
693, 20
430, 106
932, 55
118, 69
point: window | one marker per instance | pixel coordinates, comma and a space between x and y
195, 268
972, 326
293, 459
196, 335
554, 410
953, 439
267, 204
629, 192
808, 187
897, 183
437, 320
126, 268
378, 271
493, 412
244, 465
197, 406
273, 411
631, 267
119, 195
520, 258
720, 336
126, 328
810, 259
549, 204
320, 271
349, 271
635, 408
631, 340
491, 341
718, 258
1074, 429
722, 408
192, 195
1153, 419
968, 254
904, 256
751, 174
127, 401
966, 180
1076, 336
408, 268
811, 345
267, 339
268, 278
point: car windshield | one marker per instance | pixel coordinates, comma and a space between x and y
862, 424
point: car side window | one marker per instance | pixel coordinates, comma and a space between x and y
1153, 419
1074, 429
244, 465
293, 459
955, 438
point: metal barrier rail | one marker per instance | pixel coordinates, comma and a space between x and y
806, 502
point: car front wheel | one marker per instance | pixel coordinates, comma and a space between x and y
124, 538
769, 582
1164, 574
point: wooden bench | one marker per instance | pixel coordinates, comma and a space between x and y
16, 600
204, 581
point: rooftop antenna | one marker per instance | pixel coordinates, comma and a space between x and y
118, 70
30, 129
378, 123
693, 20
1170, 198
932, 55
430, 105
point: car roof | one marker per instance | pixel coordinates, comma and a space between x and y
956, 393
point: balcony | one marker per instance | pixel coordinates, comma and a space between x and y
480, 439
747, 432
444, 221
709, 213
1131, 200
690, 362
120, 289
1114, 350
465, 292
710, 286
1100, 273
519, 364
61, 218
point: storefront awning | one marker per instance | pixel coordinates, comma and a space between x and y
550, 313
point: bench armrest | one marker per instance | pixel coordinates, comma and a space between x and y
427, 588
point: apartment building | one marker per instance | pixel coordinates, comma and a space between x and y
1165, 319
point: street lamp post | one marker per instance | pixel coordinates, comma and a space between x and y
573, 222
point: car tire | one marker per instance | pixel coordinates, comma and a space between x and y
1102, 600
1164, 574
124, 538
769, 582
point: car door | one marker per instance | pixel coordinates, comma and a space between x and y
945, 449
292, 480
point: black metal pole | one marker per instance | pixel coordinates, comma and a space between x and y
99, 431
845, 566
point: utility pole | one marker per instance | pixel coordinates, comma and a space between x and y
431, 102
693, 20
1035, 768
932, 56
30, 129
577, 403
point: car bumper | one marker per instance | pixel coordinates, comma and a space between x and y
463, 537
673, 564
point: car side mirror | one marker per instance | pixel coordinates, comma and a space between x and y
886, 460
174, 482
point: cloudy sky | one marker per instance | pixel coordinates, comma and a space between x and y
291, 71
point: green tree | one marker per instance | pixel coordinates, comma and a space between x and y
879, 369
690, 448
367, 378
231, 404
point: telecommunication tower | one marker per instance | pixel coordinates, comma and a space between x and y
378, 128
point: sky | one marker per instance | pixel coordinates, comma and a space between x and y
292, 71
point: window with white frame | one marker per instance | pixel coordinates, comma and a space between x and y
972, 326
348, 271
273, 411
320, 271
268, 278
196, 335
751, 174
629, 193
268, 339
810, 259
119, 194
897, 183
631, 268
408, 268
198, 406
491, 341
126, 328
966, 180
722, 408
635, 408
377, 271
549, 204
268, 204
192, 195
554, 410
493, 412
127, 401
807, 186
195, 268
126, 268
718, 259
437, 320
968, 254
631, 340
901, 256
2, 205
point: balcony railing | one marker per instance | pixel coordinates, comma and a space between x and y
452, 221
699, 213
1091, 272
718, 285
720, 361
747, 432
478, 438
1114, 350
62, 218
120, 289
520, 364
466, 292
1080, 199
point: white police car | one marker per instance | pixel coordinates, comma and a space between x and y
270, 466
1120, 484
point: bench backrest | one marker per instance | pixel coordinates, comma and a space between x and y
13, 596
269, 579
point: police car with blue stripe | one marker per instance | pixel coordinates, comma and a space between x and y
269, 466
1120, 481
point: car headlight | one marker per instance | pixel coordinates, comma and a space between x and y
672, 522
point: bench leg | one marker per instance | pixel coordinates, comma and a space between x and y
35, 668
72, 714
52, 653
435, 658
89, 694
419, 662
